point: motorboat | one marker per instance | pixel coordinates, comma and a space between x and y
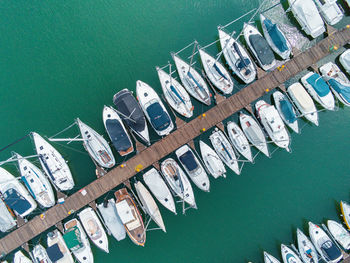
330, 11
40, 255
7, 218
340, 234
93, 228
212, 160
159, 189
303, 102
307, 250
254, 133
193, 167
270, 259
154, 109
130, 217
259, 47
117, 131
319, 90
273, 124
216, 72
345, 210
344, 60
239, 141
19, 257
131, 113
192, 80
175, 94
57, 249
53, 164
224, 149
286, 110
275, 37
111, 219
306, 13
15, 195
237, 57
288, 255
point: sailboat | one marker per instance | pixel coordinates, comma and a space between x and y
306, 249
239, 141
288, 255
212, 160
270, 259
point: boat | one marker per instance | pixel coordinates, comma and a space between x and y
36, 182
259, 47
57, 249
131, 113
270, 259
254, 133
328, 251
305, 12
239, 141
340, 234
15, 195
330, 11
19, 257
40, 255
53, 164
344, 60
319, 90
130, 217
93, 228
175, 94
275, 37
273, 124
159, 189
193, 167
212, 160
149, 204
307, 251
192, 80
303, 102
7, 218
286, 110
117, 131
237, 57
345, 210
77, 241
224, 149
216, 72
111, 219
154, 109
288, 255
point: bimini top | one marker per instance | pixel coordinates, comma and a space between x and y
319, 85
188, 160
276, 35
16, 201
118, 135
287, 110
262, 49
159, 118
341, 89
72, 237
54, 253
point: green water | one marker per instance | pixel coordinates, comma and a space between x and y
65, 59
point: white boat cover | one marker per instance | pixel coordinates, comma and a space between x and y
127, 215
302, 97
307, 10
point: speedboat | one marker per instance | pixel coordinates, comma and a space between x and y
303, 102
7, 219
340, 234
149, 204
224, 149
53, 164
94, 228
193, 167
288, 255
130, 217
319, 90
275, 37
305, 12
273, 124
175, 94
192, 80
324, 245
237, 57
40, 255
131, 113
216, 72
117, 131
19, 257
212, 160
344, 60
159, 189
259, 47
330, 11
286, 110
15, 195
239, 141
345, 210
307, 251
57, 249
254, 133
154, 109
270, 259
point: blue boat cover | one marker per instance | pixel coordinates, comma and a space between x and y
188, 160
344, 91
54, 253
118, 135
277, 37
319, 85
159, 118
330, 250
287, 110
16, 201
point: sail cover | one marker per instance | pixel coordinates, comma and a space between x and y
287, 111
6, 220
262, 49
118, 135
319, 85
276, 35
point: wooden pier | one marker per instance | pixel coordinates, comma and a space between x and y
185, 133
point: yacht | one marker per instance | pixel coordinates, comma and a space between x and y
212, 160
307, 250
330, 11
339, 233
57, 249
288, 255
286, 110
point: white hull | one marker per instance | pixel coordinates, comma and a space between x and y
40, 255
7, 221
288, 255
344, 60
270, 259
278, 97
212, 161
239, 141
21, 258
330, 11
340, 234
306, 249
55, 237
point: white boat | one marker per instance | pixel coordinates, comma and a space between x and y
97, 147
288, 255
216, 72
53, 164
175, 94
154, 109
307, 251
270, 259
212, 161
237, 57
303, 102
224, 149
239, 141
259, 47
193, 167
345, 209
40, 255
93, 228
340, 234
159, 189
7, 219
330, 11
286, 110
57, 249
344, 60
254, 133
19, 257
149, 204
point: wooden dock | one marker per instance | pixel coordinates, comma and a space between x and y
185, 133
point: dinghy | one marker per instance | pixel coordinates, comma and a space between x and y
345, 210
7, 219
340, 234
330, 11
239, 141
286, 110
212, 161
19, 257
288, 255
344, 60
57, 249
40, 255
270, 259
306, 249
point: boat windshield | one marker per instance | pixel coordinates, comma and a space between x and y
276, 35
341, 89
287, 111
319, 85
16, 201
330, 250
118, 135
189, 161
159, 118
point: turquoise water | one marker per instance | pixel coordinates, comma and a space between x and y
65, 59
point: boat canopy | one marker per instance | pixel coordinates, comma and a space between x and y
319, 85
6, 220
262, 49
277, 37
54, 253
16, 201
343, 90
308, 12
118, 135
188, 160
302, 97
287, 110
73, 238
159, 118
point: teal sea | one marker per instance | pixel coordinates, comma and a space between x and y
60, 60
